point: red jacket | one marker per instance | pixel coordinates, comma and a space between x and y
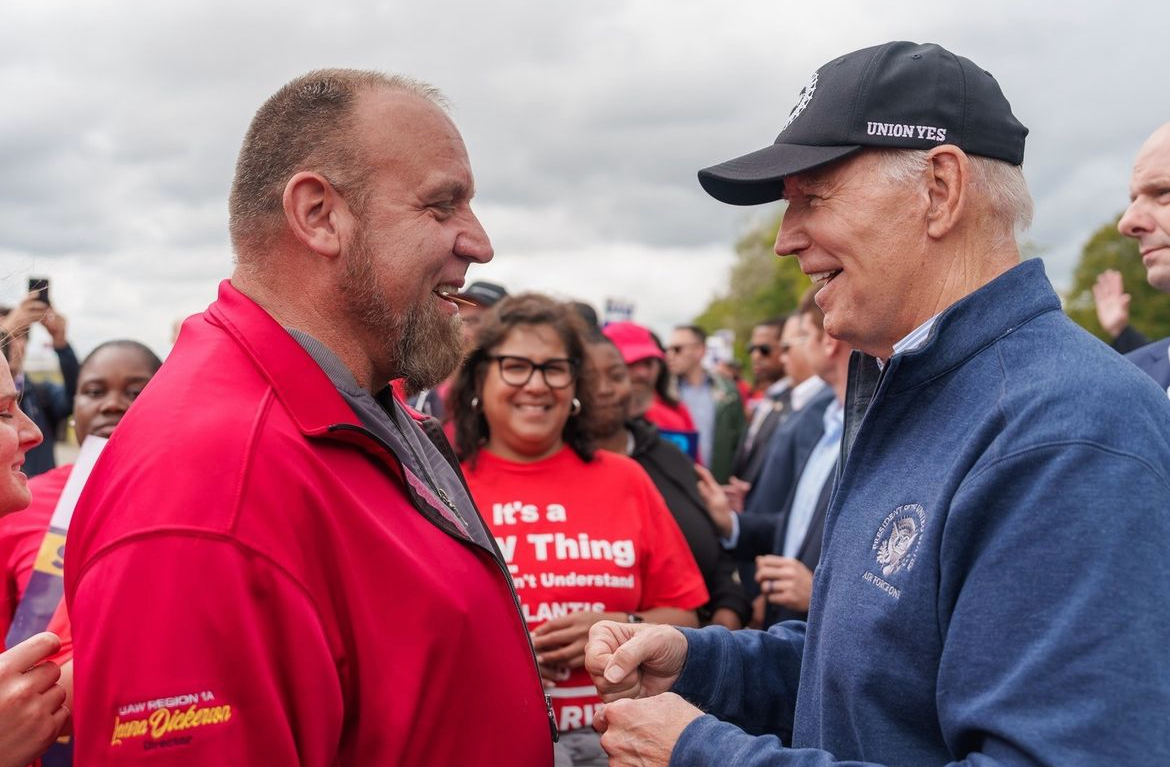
251, 583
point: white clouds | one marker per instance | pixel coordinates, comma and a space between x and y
585, 122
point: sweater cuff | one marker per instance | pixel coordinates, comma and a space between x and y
707, 741
703, 666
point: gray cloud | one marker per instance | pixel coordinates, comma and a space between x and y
585, 123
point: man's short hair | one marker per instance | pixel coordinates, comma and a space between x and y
695, 330
774, 323
306, 125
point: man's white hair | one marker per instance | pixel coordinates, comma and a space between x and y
1001, 184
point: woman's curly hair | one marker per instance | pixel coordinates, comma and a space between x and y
524, 310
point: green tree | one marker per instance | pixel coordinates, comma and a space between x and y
1149, 309
761, 286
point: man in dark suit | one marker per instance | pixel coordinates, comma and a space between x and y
1147, 220
771, 396
780, 530
785, 572
753, 533
783, 399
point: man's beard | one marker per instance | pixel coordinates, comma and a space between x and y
607, 421
641, 398
421, 345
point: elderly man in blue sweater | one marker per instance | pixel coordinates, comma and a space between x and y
997, 550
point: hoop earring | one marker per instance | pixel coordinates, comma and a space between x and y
475, 403
576, 407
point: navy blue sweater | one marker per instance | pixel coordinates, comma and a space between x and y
996, 567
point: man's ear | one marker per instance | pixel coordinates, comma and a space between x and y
948, 176
315, 212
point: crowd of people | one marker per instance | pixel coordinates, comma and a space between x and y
366, 514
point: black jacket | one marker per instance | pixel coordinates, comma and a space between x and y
48, 405
674, 475
749, 460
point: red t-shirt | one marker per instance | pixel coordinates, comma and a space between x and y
584, 536
669, 417
21, 534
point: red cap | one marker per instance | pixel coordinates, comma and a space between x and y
633, 341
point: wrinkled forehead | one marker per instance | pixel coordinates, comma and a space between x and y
828, 176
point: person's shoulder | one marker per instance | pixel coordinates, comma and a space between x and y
1055, 355
188, 410
812, 415
196, 444
1151, 355
650, 445
1152, 348
1059, 383
616, 467
623, 481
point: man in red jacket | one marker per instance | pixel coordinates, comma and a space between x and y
273, 562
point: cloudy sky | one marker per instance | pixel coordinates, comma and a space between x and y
585, 123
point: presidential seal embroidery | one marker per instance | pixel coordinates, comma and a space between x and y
806, 94
895, 546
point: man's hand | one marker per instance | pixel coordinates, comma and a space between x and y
784, 581
56, 324
560, 642
727, 618
28, 312
551, 675
736, 492
759, 612
634, 660
1112, 302
643, 733
715, 501
32, 710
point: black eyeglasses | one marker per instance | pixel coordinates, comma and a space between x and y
764, 349
517, 371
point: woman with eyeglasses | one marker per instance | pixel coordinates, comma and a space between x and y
586, 535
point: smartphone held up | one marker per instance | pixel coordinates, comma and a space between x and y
40, 286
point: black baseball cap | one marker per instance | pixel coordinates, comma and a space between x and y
899, 95
484, 293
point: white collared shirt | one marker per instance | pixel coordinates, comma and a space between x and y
817, 469
913, 340
805, 391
